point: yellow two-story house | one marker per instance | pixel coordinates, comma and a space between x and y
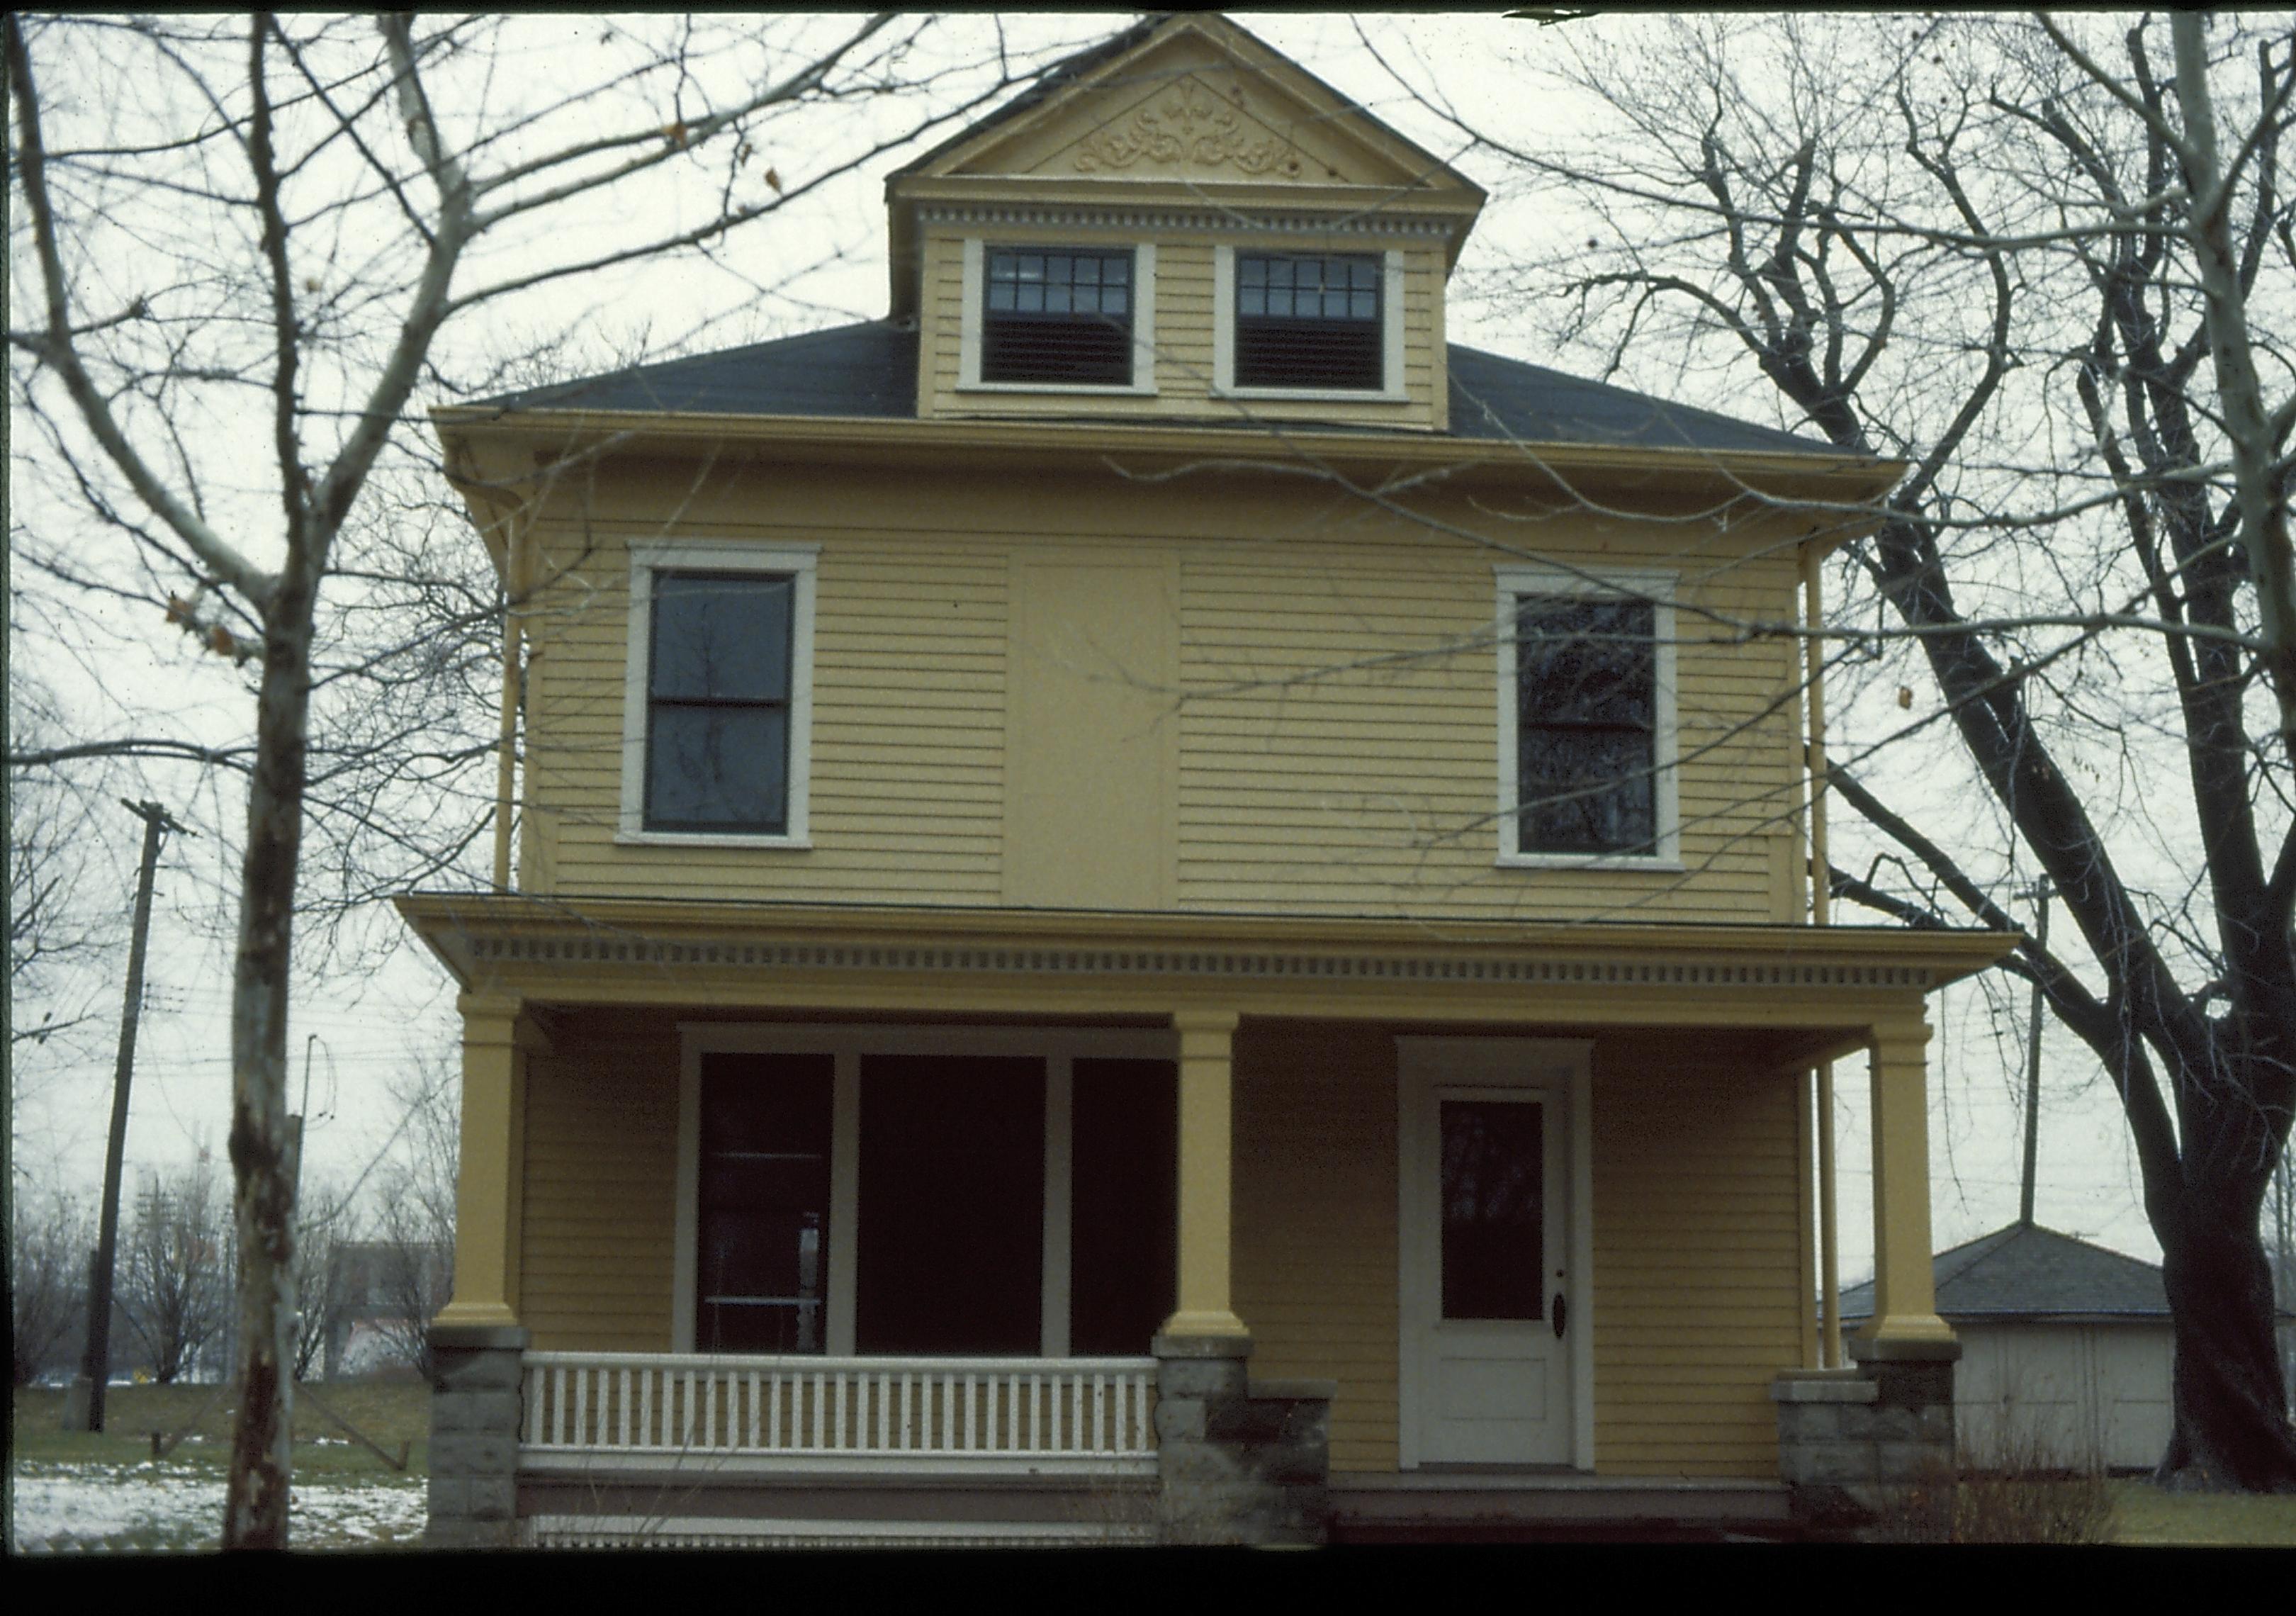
1143, 896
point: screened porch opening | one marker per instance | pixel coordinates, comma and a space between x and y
966, 1170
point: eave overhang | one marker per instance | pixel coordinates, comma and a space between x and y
1827, 482
1827, 982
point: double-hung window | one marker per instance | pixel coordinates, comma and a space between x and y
1055, 318
1587, 719
1307, 323
719, 694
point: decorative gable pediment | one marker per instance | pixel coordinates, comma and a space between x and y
1197, 101
1189, 130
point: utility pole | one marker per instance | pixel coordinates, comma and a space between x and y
2041, 893
96, 1369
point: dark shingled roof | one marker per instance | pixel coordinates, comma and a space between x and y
2026, 1271
869, 371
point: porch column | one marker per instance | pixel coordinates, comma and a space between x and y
1207, 1057
487, 1191
1905, 1295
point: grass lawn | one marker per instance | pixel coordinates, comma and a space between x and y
388, 1412
2145, 1514
107, 1491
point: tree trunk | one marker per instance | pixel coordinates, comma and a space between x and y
255, 1512
2231, 1432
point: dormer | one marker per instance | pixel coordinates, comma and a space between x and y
1180, 224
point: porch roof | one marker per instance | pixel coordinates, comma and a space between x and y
1049, 961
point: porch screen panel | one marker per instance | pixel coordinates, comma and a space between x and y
952, 1205
1122, 1256
762, 1228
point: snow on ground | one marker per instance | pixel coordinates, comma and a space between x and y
153, 1505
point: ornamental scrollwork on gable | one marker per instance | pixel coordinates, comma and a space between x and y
1187, 124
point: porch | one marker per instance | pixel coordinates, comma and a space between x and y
1308, 1076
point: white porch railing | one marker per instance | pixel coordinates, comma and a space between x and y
957, 1413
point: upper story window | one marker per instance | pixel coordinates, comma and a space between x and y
1587, 719
718, 713
1308, 324
1057, 315
1308, 320
1057, 319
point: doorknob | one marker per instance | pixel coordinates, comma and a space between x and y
1560, 1307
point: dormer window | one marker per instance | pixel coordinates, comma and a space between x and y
1308, 325
1308, 320
1057, 319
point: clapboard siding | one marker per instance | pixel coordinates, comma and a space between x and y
1334, 704
599, 1221
1698, 1241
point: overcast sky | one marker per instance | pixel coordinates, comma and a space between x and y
824, 269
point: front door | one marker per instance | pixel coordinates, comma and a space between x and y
1487, 1289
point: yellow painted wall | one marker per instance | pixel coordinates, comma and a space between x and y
1696, 1245
1183, 327
600, 1229
1333, 730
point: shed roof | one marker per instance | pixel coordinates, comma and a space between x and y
869, 371
2025, 1271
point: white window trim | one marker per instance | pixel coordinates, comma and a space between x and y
1060, 1047
716, 555
1636, 583
1391, 315
1143, 384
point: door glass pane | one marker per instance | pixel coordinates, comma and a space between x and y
762, 1231
952, 1237
1494, 1210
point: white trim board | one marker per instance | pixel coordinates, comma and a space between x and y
973, 293
1655, 586
800, 562
1390, 317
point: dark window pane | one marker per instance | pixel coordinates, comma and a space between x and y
951, 1244
761, 1234
1309, 321
723, 637
1122, 1204
1058, 316
1586, 699
1588, 790
1494, 1210
718, 767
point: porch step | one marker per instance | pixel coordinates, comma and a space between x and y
1500, 1505
706, 1532
924, 1506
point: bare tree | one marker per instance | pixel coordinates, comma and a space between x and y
275, 228
175, 1270
58, 926
412, 1270
2053, 272
49, 1238
324, 1224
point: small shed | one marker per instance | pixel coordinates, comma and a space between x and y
2067, 1353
